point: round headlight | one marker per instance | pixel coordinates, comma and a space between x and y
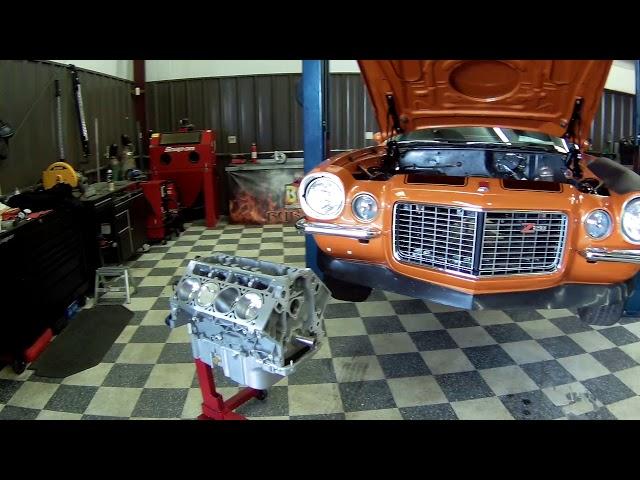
598, 224
187, 288
248, 306
322, 196
365, 207
631, 220
226, 299
207, 294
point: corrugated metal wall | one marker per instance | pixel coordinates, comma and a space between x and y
613, 121
27, 102
263, 108
260, 108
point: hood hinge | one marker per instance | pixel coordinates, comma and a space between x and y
573, 128
393, 113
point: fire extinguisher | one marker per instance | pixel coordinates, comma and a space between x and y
254, 153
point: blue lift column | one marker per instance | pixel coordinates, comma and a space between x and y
315, 99
632, 308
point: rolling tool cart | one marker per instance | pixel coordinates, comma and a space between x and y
164, 217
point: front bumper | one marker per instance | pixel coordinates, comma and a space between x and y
606, 255
563, 296
349, 231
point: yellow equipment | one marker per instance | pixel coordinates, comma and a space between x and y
59, 172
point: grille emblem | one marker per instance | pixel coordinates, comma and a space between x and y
532, 227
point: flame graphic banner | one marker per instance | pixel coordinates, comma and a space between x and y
264, 196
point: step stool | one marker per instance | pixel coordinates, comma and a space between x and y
107, 279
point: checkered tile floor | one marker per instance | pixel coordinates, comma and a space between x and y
391, 357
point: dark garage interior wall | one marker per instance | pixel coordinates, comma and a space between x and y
259, 108
27, 102
264, 109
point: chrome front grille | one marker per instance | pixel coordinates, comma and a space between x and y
478, 243
435, 236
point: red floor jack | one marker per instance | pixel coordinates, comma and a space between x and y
214, 407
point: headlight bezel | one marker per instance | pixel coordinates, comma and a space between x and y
622, 212
353, 206
609, 229
304, 187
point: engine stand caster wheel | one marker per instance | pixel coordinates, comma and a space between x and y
164, 242
262, 395
19, 366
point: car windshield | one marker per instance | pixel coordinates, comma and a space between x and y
494, 135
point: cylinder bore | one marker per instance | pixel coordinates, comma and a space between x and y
248, 307
226, 299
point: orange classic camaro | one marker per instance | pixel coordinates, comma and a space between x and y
480, 194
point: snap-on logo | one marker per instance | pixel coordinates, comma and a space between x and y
179, 149
532, 227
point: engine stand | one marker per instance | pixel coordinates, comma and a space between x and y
214, 407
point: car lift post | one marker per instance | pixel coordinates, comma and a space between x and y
632, 307
315, 99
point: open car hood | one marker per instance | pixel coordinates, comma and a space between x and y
534, 95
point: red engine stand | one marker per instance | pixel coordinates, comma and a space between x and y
214, 407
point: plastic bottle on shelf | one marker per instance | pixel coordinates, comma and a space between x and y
254, 153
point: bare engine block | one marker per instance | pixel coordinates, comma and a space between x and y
257, 320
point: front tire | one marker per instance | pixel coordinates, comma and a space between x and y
605, 315
346, 291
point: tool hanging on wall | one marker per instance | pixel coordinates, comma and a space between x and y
61, 156
77, 94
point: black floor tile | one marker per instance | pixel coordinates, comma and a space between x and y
463, 386
433, 340
9, 412
608, 389
407, 307
442, 411
175, 256
523, 315
570, 325
341, 310
403, 365
328, 416
151, 334
71, 398
276, 404
148, 292
560, 347
509, 332
251, 247
161, 304
272, 251
599, 414
176, 353
531, 406
160, 403
488, 356
350, 346
294, 259
7, 389
128, 375
137, 318
367, 395
228, 241
390, 324
113, 353
162, 272
614, 359
548, 373
144, 264
377, 296
459, 319
314, 371
619, 335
